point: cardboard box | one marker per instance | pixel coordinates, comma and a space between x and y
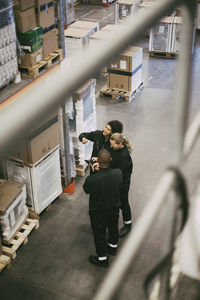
84, 90
9, 191
46, 17
40, 4
13, 209
38, 144
31, 40
124, 82
30, 59
129, 60
25, 20
23, 4
77, 33
50, 42
91, 26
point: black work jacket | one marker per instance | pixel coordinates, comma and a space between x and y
98, 139
104, 189
122, 159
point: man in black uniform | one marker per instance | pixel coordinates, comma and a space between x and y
104, 202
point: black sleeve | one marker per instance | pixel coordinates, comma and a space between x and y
86, 186
91, 136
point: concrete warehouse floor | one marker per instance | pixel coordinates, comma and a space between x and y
54, 263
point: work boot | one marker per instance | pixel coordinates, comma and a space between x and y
95, 261
111, 250
125, 230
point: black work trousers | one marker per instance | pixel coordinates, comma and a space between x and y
125, 206
100, 222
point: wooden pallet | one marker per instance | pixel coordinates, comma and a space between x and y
162, 54
21, 237
54, 57
5, 261
35, 70
118, 94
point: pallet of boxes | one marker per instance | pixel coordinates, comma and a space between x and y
35, 161
125, 8
14, 221
45, 18
165, 36
124, 75
77, 36
82, 118
35, 25
8, 52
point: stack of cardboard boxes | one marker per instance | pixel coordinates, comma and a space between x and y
35, 24
125, 73
29, 36
46, 19
36, 163
8, 54
13, 209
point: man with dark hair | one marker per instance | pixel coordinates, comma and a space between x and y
101, 138
104, 202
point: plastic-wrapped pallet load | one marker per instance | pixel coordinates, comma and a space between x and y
161, 35
13, 209
8, 55
76, 40
91, 26
124, 9
83, 118
43, 180
68, 10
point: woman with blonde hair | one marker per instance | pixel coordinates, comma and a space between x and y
121, 159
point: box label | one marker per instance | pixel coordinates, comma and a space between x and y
123, 64
38, 57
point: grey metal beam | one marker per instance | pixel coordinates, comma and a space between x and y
179, 125
20, 115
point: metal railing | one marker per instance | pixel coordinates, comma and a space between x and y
20, 115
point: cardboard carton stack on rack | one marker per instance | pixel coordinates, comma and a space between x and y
82, 112
36, 33
29, 36
46, 19
35, 161
8, 53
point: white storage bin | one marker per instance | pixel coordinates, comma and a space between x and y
43, 180
13, 209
